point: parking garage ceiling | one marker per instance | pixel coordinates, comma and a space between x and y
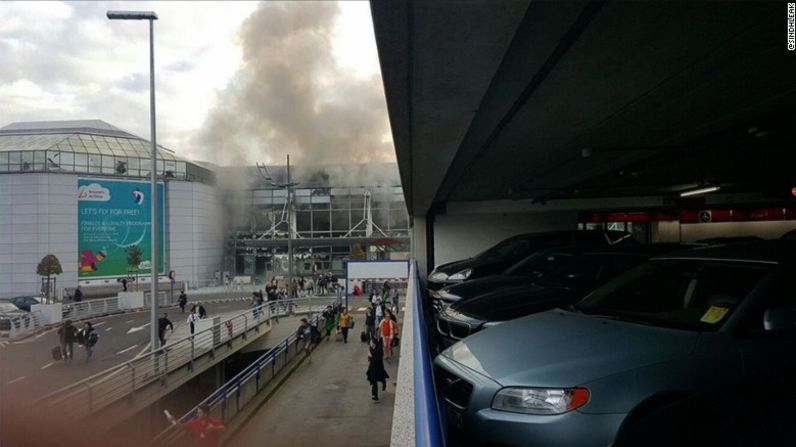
561, 100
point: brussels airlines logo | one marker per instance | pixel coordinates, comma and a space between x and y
138, 197
93, 192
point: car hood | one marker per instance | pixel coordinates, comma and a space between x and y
510, 302
473, 263
559, 348
481, 286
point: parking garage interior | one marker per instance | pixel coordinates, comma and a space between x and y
674, 123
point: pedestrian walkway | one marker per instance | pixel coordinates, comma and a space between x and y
326, 402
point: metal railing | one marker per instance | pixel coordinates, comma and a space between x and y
23, 325
229, 399
90, 308
104, 388
20, 326
429, 425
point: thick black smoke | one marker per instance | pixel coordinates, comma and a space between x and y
290, 96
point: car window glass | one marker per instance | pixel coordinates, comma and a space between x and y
538, 264
590, 237
696, 295
511, 248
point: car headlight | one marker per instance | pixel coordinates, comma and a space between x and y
462, 275
540, 400
438, 276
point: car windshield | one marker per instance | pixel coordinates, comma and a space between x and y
538, 264
507, 249
687, 294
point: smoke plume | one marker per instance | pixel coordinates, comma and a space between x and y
291, 97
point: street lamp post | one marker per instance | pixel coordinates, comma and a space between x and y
288, 186
151, 16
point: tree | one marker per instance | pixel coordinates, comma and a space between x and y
134, 260
49, 265
357, 252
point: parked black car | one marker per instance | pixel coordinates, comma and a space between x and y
498, 258
23, 302
546, 280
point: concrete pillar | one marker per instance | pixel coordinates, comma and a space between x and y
419, 244
131, 300
47, 313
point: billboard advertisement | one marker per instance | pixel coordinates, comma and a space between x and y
114, 215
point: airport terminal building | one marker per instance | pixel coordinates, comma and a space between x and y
79, 190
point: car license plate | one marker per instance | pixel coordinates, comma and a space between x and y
455, 417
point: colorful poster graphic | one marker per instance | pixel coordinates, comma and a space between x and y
112, 216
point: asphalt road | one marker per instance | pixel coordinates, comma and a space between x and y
28, 372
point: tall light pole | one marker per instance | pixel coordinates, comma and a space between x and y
288, 186
151, 16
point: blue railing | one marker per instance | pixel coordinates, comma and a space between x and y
429, 420
233, 384
226, 401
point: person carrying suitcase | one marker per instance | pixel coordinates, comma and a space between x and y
67, 335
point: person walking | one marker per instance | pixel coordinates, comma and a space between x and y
192, 319
346, 321
90, 337
255, 305
387, 331
304, 333
182, 301
203, 427
124, 284
376, 372
378, 311
78, 295
370, 323
200, 310
67, 335
329, 317
164, 324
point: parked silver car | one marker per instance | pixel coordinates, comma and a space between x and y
688, 324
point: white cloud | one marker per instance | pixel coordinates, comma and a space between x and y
66, 60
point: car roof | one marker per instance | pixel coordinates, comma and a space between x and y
621, 249
780, 251
541, 234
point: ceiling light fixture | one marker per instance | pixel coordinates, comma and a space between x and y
698, 191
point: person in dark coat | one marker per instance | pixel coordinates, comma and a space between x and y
376, 372
67, 336
163, 324
370, 323
183, 301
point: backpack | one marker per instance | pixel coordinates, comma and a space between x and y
92, 338
315, 336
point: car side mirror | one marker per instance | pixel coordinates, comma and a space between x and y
779, 320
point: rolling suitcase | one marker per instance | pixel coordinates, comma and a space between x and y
56, 353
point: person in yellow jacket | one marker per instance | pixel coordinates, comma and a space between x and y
346, 321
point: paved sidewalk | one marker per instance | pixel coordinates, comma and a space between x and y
326, 402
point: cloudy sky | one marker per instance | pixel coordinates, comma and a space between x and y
235, 81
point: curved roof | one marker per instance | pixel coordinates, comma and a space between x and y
79, 136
